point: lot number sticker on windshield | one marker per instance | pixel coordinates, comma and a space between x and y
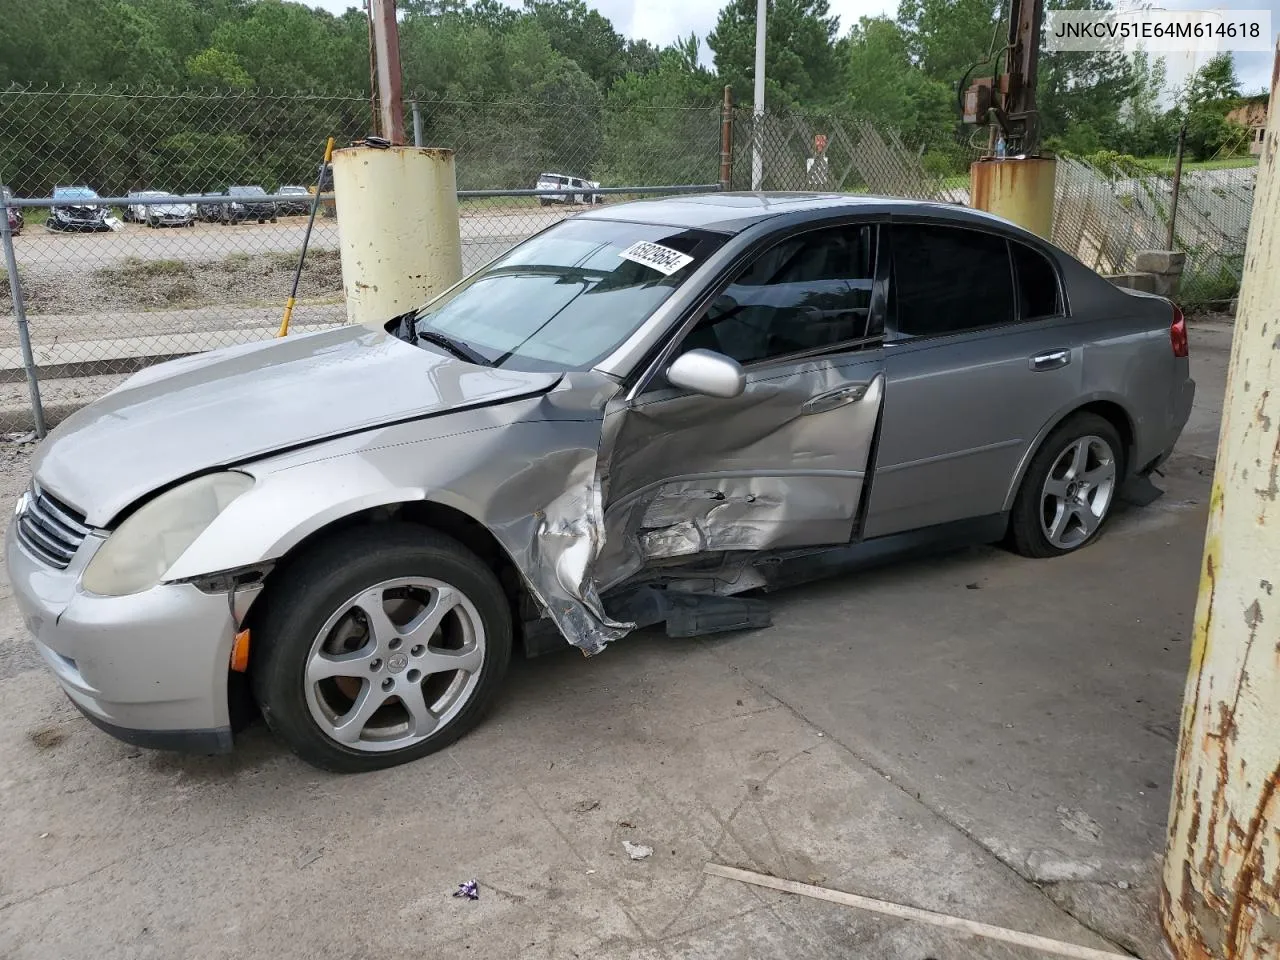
663, 259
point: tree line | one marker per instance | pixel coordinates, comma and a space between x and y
254, 85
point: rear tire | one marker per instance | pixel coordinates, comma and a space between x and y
1069, 489
340, 673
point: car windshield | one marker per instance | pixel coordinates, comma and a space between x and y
565, 299
74, 193
248, 191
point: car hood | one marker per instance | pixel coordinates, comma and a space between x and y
232, 405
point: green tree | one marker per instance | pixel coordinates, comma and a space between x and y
286, 46
662, 126
578, 33
1211, 92
1213, 82
947, 37
801, 66
218, 68
882, 83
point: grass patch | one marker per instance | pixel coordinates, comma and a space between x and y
1201, 292
134, 269
1166, 164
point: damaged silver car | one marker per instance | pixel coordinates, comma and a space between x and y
650, 413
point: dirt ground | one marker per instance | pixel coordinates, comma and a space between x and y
976, 734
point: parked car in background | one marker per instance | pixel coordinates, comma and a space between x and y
244, 204
210, 211
293, 208
626, 419
327, 207
77, 208
558, 181
158, 214
15, 217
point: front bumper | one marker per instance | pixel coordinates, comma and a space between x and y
150, 669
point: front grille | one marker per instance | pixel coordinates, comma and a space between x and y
51, 530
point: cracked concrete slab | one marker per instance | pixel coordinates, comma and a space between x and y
898, 735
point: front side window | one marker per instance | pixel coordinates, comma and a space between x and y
948, 280
806, 293
566, 298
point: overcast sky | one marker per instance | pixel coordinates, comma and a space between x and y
661, 21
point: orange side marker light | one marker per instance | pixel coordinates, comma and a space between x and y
240, 652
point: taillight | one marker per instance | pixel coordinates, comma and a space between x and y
1178, 333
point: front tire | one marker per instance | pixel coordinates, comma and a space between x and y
1069, 488
384, 645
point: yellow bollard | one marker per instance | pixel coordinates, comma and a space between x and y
397, 228
1221, 895
1018, 190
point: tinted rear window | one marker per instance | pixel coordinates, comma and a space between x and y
949, 279
1038, 294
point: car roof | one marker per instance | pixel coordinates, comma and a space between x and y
735, 212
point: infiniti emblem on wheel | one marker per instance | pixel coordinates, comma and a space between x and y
397, 662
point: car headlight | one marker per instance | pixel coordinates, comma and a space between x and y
151, 540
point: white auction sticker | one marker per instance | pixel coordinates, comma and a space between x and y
663, 259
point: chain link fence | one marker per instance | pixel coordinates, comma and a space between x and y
143, 243
828, 151
1104, 213
113, 283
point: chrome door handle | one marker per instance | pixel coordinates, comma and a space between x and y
1052, 360
836, 398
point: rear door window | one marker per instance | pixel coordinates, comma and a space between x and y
949, 280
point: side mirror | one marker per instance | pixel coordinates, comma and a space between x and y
709, 373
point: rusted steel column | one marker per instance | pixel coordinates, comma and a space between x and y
1221, 896
386, 47
1020, 190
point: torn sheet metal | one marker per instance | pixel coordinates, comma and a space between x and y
767, 470
584, 492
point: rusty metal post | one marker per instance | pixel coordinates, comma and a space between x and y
1018, 190
1221, 892
1177, 186
726, 140
20, 318
386, 46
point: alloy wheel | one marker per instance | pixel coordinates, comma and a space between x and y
394, 663
1078, 492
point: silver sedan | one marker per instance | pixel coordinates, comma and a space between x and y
644, 415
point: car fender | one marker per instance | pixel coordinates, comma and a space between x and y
546, 513
1058, 416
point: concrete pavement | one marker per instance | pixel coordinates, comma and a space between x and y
977, 734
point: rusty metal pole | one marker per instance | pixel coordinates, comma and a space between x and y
1177, 186
726, 140
1221, 892
386, 46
